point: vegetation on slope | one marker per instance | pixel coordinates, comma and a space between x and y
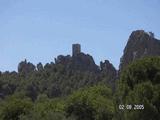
38, 95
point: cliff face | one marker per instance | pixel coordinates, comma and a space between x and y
85, 62
140, 44
80, 62
108, 73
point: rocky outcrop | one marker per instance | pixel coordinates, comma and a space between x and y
80, 62
25, 67
140, 44
108, 73
107, 67
84, 63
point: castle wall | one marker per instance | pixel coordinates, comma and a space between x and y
76, 49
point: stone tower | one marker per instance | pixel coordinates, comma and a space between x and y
76, 49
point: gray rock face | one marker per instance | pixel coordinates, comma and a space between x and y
140, 44
84, 62
107, 68
81, 62
26, 67
108, 73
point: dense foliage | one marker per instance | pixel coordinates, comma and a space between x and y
94, 103
55, 79
56, 92
140, 85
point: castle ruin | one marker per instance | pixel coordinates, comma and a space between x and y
76, 49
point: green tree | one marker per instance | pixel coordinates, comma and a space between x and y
93, 103
12, 108
139, 85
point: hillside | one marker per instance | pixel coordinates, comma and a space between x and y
73, 87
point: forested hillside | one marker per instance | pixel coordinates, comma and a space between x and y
75, 88
58, 78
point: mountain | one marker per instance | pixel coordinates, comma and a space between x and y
58, 78
81, 62
71, 72
140, 44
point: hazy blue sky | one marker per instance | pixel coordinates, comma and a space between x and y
39, 30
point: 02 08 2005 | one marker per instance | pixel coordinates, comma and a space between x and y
131, 107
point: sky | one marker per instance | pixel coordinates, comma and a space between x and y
40, 30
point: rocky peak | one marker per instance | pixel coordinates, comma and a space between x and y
107, 66
108, 72
26, 67
140, 44
80, 61
84, 62
61, 59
